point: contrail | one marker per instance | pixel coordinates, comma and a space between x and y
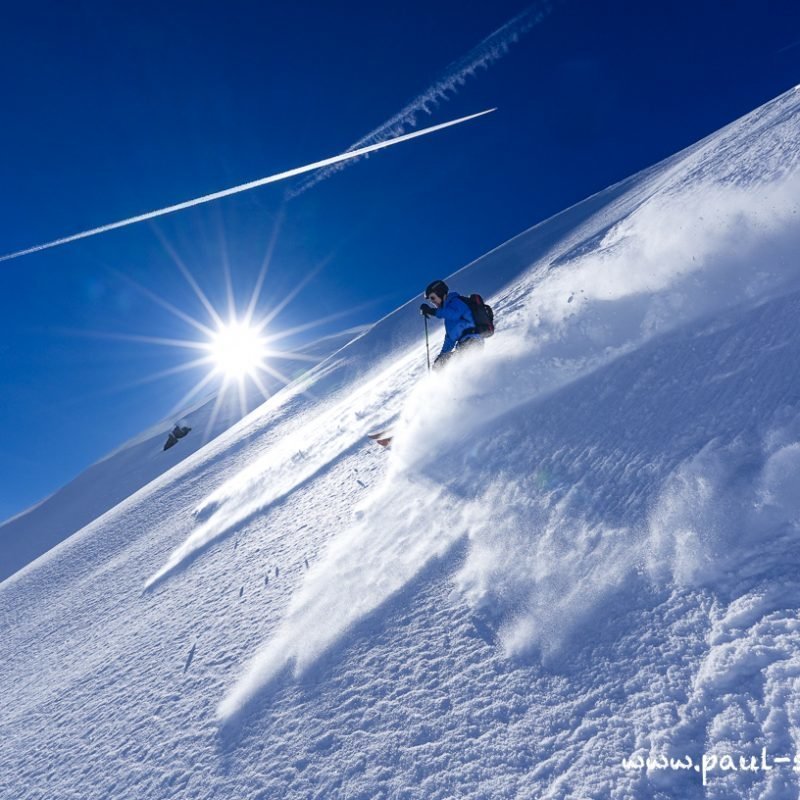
788, 47
489, 50
242, 188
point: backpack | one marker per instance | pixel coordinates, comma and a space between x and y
482, 314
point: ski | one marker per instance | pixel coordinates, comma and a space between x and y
383, 438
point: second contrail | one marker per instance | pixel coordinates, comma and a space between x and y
241, 188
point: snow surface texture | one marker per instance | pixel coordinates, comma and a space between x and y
582, 547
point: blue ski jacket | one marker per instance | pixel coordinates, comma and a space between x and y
457, 319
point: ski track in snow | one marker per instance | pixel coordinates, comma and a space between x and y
582, 547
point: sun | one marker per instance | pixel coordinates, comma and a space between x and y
237, 350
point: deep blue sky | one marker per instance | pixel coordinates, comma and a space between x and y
113, 109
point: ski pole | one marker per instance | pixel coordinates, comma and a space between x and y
427, 343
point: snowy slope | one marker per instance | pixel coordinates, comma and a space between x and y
133, 465
582, 549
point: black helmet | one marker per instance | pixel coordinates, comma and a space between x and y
438, 288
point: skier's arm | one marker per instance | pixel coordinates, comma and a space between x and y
448, 345
452, 311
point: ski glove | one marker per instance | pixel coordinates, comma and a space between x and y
427, 311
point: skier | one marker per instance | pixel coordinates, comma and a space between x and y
460, 332
467, 320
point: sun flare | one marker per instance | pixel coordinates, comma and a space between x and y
238, 350
240, 353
